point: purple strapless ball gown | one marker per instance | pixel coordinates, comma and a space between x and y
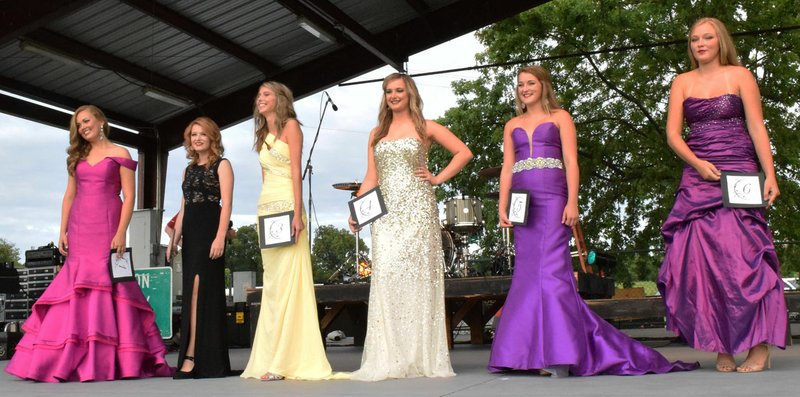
84, 327
720, 278
545, 323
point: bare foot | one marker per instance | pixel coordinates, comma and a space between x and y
269, 376
757, 359
725, 362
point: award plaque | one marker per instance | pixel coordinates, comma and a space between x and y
121, 267
518, 203
742, 189
368, 207
275, 230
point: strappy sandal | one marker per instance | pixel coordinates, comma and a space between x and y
185, 374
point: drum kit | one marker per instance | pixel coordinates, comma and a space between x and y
463, 221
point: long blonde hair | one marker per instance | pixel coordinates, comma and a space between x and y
414, 105
214, 136
284, 111
548, 98
78, 146
727, 51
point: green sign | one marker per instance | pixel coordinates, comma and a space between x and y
156, 285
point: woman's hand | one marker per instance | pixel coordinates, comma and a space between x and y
62, 243
297, 225
570, 216
171, 251
707, 170
424, 174
353, 225
771, 191
504, 222
118, 243
217, 248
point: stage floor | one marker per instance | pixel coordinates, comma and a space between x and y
469, 362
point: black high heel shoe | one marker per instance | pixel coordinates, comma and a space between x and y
184, 374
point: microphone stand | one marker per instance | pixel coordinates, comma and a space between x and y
310, 170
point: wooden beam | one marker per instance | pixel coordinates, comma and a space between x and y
79, 50
356, 32
22, 17
202, 33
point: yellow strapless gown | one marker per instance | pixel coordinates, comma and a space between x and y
287, 340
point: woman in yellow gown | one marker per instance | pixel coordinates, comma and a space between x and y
288, 343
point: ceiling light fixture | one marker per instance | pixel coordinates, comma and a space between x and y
55, 55
165, 97
315, 30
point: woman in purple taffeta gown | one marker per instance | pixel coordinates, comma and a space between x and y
720, 278
546, 327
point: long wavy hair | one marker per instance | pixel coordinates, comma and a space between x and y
727, 50
284, 111
548, 98
78, 146
215, 139
414, 104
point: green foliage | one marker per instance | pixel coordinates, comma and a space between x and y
243, 254
9, 253
618, 101
333, 247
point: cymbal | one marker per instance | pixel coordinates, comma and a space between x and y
490, 172
351, 186
492, 195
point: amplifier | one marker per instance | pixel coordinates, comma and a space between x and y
42, 254
35, 284
42, 270
15, 314
41, 262
40, 277
35, 293
18, 304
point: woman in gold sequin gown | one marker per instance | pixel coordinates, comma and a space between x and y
288, 343
406, 335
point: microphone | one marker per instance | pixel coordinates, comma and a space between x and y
333, 105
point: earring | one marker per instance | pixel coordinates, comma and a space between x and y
102, 133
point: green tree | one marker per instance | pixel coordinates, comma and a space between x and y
243, 253
618, 101
334, 248
9, 253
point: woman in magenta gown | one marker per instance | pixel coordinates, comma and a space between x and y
85, 327
546, 327
720, 277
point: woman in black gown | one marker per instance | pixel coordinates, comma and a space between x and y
203, 223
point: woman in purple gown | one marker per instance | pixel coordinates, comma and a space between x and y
720, 278
85, 327
546, 327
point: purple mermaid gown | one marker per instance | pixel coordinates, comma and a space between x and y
545, 323
84, 327
720, 279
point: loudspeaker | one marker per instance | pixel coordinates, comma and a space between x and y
592, 286
8, 342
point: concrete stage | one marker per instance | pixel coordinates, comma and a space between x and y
469, 362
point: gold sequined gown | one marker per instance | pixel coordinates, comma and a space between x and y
406, 334
288, 340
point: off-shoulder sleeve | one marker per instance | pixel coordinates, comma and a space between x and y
127, 163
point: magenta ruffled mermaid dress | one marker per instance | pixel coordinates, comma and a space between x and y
84, 327
720, 277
